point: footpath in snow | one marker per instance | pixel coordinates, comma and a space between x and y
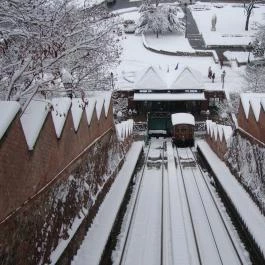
97, 236
246, 208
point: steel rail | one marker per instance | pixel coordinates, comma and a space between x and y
162, 208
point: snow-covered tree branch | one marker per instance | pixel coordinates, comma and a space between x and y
159, 19
42, 39
254, 78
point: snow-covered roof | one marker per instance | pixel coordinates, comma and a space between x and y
150, 79
59, 113
218, 130
33, 119
255, 100
188, 78
8, 110
77, 111
182, 118
168, 96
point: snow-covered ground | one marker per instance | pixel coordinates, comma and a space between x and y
135, 58
230, 26
172, 42
241, 57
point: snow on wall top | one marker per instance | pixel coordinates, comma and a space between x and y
218, 130
8, 110
124, 129
77, 111
187, 79
150, 80
99, 105
107, 103
35, 114
33, 119
255, 100
262, 101
59, 113
106, 95
182, 118
90, 106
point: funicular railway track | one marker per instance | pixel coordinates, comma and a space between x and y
214, 243
175, 218
143, 243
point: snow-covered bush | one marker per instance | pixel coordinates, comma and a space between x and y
248, 160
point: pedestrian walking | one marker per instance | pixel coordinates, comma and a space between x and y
177, 66
213, 77
210, 72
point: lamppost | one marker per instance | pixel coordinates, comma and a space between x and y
111, 80
186, 23
249, 50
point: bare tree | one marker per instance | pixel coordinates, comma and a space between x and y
248, 10
39, 38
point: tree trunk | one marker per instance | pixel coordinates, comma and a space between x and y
247, 21
157, 34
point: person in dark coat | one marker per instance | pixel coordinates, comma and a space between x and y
210, 72
213, 77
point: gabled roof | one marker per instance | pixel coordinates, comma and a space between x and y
150, 80
187, 79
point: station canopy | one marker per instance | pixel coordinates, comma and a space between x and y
182, 118
168, 96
